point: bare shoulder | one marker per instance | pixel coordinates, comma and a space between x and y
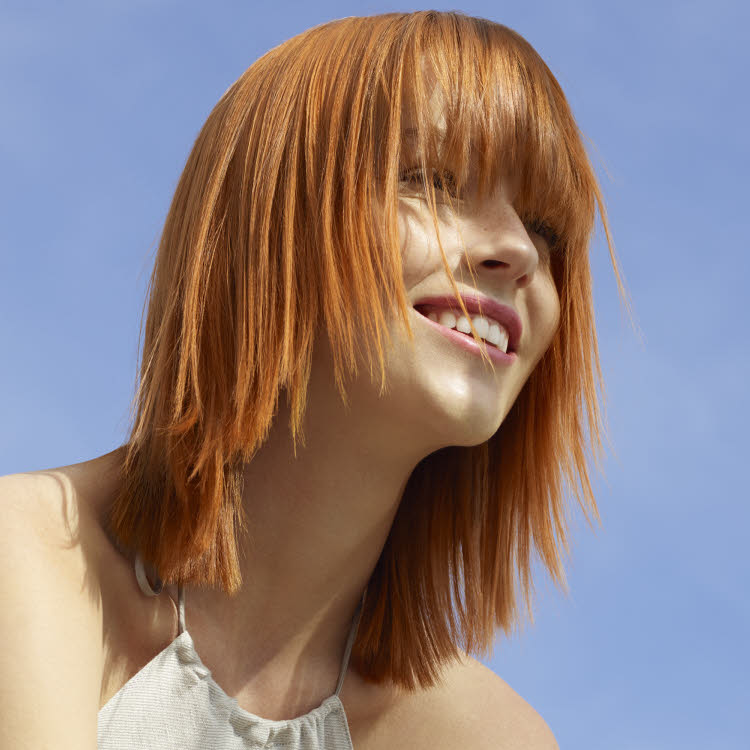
494, 715
44, 505
61, 512
50, 665
59, 505
80, 574
53, 528
52, 538
472, 708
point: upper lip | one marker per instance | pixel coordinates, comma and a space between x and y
479, 304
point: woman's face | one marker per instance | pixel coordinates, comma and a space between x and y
452, 390
439, 391
442, 388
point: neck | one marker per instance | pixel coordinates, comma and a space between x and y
317, 524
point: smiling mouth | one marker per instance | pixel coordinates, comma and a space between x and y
425, 310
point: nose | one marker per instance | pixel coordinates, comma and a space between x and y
497, 242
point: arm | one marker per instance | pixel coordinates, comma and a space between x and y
50, 620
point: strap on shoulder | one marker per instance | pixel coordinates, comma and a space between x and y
350, 642
180, 609
143, 582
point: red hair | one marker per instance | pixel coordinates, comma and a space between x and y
282, 182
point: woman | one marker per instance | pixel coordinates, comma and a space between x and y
329, 496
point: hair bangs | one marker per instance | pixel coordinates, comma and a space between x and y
480, 103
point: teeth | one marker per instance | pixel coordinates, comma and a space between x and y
488, 329
462, 324
447, 319
481, 324
498, 336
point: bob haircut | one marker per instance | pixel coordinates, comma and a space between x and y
298, 164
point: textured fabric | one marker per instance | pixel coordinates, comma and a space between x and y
173, 703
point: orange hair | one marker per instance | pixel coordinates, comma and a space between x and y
282, 182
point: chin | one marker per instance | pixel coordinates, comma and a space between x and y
470, 429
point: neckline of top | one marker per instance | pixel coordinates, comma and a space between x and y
156, 589
184, 646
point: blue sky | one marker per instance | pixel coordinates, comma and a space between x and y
101, 104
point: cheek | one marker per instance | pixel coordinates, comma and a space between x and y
544, 308
415, 256
420, 254
554, 308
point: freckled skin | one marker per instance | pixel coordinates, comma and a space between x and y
455, 397
441, 394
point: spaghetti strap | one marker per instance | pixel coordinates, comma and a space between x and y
142, 578
350, 642
154, 590
180, 609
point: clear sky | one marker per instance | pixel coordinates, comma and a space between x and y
101, 102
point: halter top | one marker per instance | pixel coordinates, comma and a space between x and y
173, 703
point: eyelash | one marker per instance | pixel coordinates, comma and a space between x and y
544, 230
436, 176
537, 226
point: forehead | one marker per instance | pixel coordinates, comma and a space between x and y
434, 116
489, 112
435, 108
492, 122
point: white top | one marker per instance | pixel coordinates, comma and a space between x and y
173, 703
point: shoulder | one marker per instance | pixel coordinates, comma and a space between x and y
42, 508
53, 539
62, 513
493, 715
51, 536
50, 619
471, 708
64, 568
56, 508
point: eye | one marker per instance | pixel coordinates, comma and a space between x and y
442, 180
544, 230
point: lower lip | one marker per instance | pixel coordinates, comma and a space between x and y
468, 343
